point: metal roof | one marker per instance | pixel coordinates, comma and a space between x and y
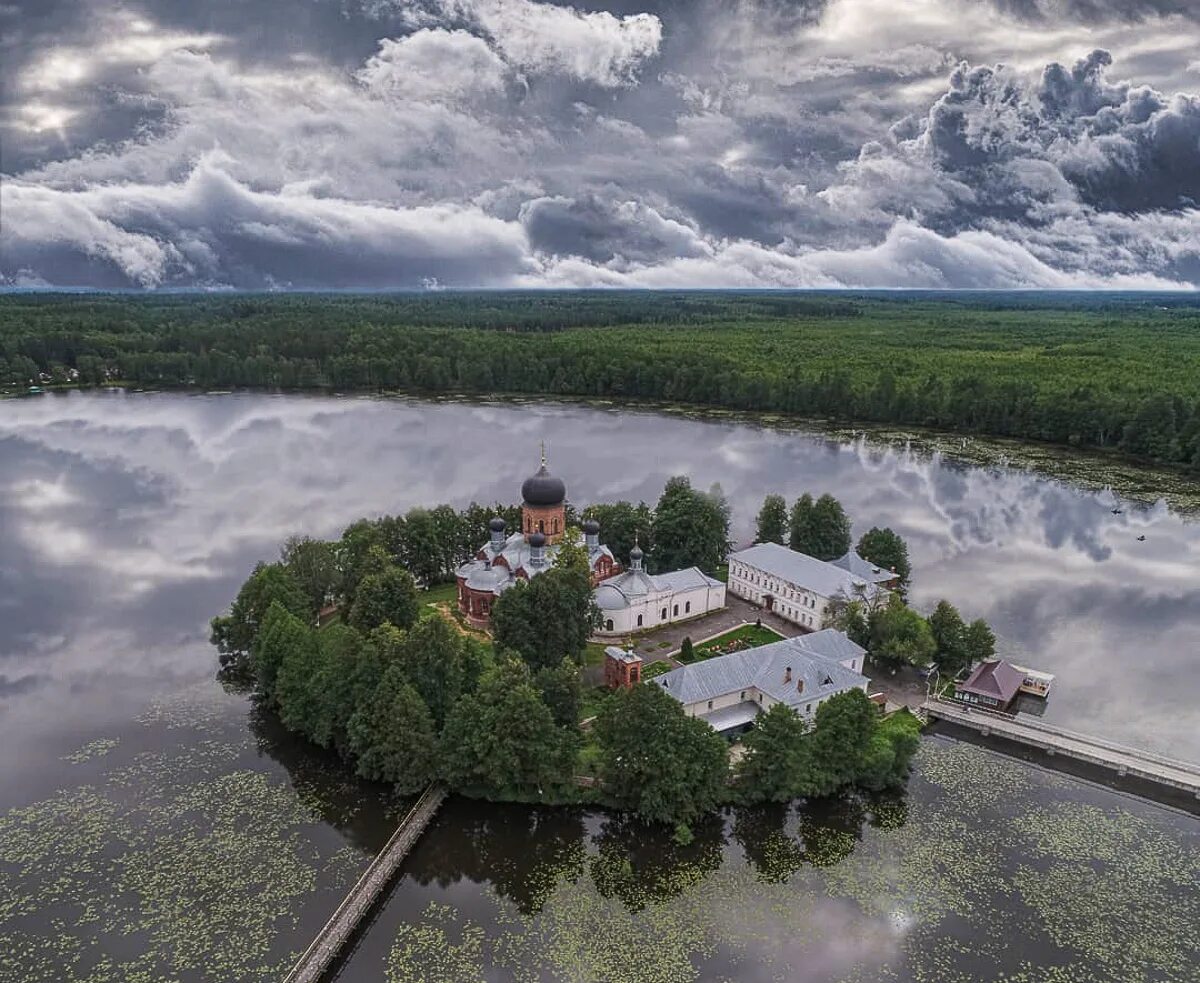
804, 571
624, 589
815, 662
854, 564
996, 679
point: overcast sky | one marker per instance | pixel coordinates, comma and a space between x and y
668, 143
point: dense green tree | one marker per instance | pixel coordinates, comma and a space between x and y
622, 526
686, 653
314, 565
829, 529
949, 638
979, 642
270, 583
423, 553
800, 525
654, 759
297, 695
771, 526
349, 670
888, 551
389, 596
392, 734
560, 689
361, 551
691, 528
777, 765
282, 634
441, 663
547, 619
900, 636
502, 739
844, 727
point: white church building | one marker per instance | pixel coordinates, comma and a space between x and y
637, 601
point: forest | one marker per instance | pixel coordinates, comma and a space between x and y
1116, 372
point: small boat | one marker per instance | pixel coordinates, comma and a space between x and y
34, 390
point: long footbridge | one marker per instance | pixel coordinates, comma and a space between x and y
318, 957
1125, 761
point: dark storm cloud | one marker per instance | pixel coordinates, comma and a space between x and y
1129, 11
343, 143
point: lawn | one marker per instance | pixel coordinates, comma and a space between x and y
745, 637
437, 594
656, 669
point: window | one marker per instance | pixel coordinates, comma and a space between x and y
808, 708
675, 611
760, 697
541, 526
639, 621
608, 625
664, 614
687, 606
710, 704
743, 696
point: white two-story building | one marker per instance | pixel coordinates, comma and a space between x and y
798, 587
637, 601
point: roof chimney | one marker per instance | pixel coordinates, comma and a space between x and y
787, 675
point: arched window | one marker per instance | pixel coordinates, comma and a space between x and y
687, 606
664, 614
608, 625
639, 621
541, 526
675, 611
556, 525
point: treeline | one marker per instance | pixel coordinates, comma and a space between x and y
1122, 376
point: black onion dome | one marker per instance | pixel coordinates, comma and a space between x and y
537, 540
591, 527
636, 553
543, 489
496, 525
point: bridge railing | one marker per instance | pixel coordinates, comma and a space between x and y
1099, 742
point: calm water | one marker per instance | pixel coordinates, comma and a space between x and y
157, 818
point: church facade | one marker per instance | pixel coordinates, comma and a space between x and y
529, 551
637, 601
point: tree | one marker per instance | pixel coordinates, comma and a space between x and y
845, 724
297, 693
800, 525
348, 672
979, 642
622, 525
270, 583
362, 550
548, 618
392, 735
691, 528
830, 529
777, 766
440, 662
772, 523
282, 634
314, 565
422, 550
851, 616
390, 596
900, 636
887, 551
502, 739
654, 759
949, 638
890, 752
685, 649
559, 687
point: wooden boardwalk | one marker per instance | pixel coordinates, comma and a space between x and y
318, 957
1081, 747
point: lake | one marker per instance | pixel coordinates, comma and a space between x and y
158, 826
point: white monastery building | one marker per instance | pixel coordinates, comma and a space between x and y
729, 691
799, 587
637, 601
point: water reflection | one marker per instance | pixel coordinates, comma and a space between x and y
127, 520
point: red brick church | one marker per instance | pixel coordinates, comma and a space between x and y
522, 555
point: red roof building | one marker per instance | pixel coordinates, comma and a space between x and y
993, 685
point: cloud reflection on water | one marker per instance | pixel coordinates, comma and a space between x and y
126, 521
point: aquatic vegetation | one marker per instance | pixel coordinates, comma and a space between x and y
426, 952
93, 749
179, 865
